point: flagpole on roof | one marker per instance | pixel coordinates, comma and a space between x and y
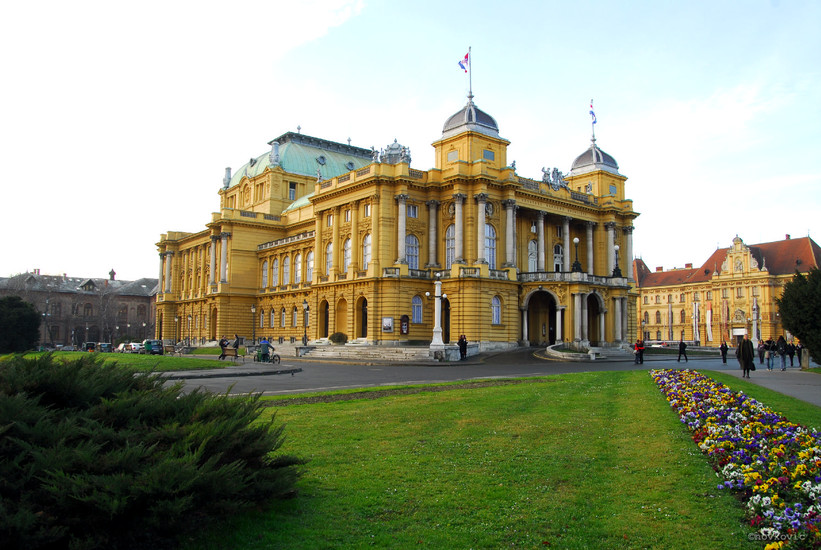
470, 74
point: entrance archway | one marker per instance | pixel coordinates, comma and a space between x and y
324, 314
541, 318
445, 320
594, 310
361, 318
341, 324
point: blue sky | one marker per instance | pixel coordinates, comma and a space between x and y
118, 120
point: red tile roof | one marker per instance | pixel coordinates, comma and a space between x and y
779, 257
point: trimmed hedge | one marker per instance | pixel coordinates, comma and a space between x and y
338, 338
99, 456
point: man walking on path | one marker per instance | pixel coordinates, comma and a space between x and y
223, 344
723, 349
746, 356
682, 350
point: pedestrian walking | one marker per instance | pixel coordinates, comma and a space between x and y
723, 349
235, 345
791, 352
463, 347
799, 349
769, 352
638, 352
682, 350
781, 348
761, 351
223, 343
746, 356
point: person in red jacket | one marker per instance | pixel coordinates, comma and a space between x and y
639, 351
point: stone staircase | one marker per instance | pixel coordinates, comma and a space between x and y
371, 353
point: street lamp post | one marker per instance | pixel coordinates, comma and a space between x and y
253, 324
577, 266
144, 334
128, 331
617, 269
176, 328
305, 322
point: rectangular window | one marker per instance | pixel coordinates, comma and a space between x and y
739, 292
292, 191
613, 189
453, 156
755, 291
413, 211
559, 231
488, 155
725, 293
709, 294
367, 210
348, 215
330, 220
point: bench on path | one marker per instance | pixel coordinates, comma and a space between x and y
233, 354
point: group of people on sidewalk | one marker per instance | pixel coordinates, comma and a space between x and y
768, 350
223, 343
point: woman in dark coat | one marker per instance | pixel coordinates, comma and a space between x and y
746, 356
723, 349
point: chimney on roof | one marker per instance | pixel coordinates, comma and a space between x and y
659, 269
688, 266
788, 236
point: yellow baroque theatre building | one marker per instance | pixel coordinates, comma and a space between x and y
731, 294
315, 237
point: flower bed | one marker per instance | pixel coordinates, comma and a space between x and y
773, 464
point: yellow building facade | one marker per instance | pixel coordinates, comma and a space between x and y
733, 293
315, 237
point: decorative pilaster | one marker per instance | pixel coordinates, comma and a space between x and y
401, 228
168, 256
590, 226
566, 244
609, 227
224, 257
212, 265
481, 204
459, 245
540, 244
628, 231
510, 246
433, 217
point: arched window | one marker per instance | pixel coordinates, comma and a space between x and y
450, 246
282, 318
658, 317
412, 251
490, 246
346, 255
309, 266
646, 317
329, 258
658, 335
532, 256
294, 316
273, 318
275, 272
558, 258
416, 309
646, 300
88, 310
265, 274
261, 318
496, 310
298, 269
286, 270
683, 317
366, 251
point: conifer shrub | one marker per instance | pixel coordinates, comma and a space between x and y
99, 456
338, 338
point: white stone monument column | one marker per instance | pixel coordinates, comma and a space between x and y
437, 342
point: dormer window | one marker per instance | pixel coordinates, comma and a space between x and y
488, 155
321, 159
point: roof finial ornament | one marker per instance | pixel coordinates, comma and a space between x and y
299, 129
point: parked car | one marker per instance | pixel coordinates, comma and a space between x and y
135, 347
121, 348
152, 347
89, 346
104, 347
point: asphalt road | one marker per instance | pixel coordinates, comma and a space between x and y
323, 376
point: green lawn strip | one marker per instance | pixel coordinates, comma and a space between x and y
158, 363
794, 410
587, 460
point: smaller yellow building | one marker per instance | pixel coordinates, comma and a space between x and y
732, 294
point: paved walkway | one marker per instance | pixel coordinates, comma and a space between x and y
793, 382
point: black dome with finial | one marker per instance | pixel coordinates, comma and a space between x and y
471, 118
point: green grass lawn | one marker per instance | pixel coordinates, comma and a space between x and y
159, 363
590, 460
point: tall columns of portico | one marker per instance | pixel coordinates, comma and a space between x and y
577, 316
510, 240
224, 257
401, 228
160, 278
336, 247
610, 227
617, 319
459, 248
433, 210
590, 226
628, 230
319, 253
566, 244
168, 256
559, 323
212, 265
540, 243
355, 244
481, 203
